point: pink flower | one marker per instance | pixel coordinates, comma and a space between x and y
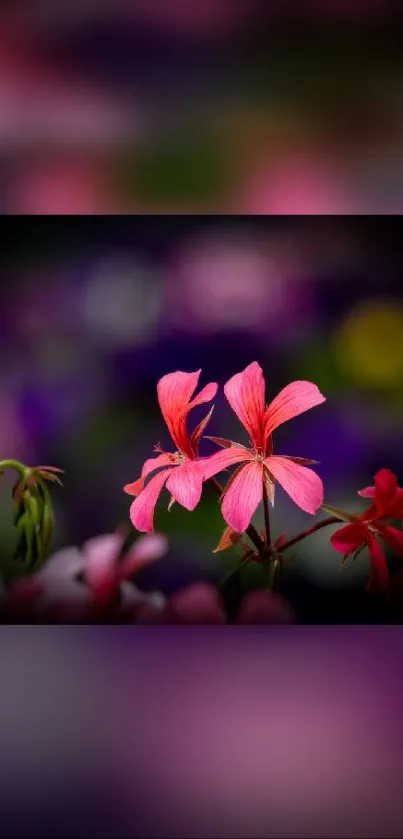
246, 394
304, 184
89, 584
366, 529
182, 472
200, 603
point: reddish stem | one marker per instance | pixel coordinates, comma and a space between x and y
266, 515
305, 533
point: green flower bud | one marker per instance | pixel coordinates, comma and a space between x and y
32, 513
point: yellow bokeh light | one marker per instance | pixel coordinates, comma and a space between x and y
369, 344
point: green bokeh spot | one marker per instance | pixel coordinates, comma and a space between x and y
181, 168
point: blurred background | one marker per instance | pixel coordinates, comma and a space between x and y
222, 106
201, 731
95, 310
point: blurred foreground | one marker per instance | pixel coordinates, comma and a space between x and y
223, 106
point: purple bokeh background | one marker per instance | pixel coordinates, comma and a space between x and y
164, 732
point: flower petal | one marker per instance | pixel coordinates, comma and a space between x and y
135, 488
175, 391
349, 538
101, 564
146, 550
206, 395
264, 607
186, 484
198, 603
228, 540
221, 460
396, 508
142, 509
379, 578
294, 399
63, 565
246, 394
303, 485
221, 441
367, 492
150, 465
174, 394
243, 497
385, 489
394, 538
195, 438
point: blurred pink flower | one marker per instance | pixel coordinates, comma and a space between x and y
231, 280
303, 185
89, 584
182, 473
200, 603
61, 187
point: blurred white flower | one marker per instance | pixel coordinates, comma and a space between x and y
122, 301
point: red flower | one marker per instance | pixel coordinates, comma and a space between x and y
182, 474
366, 529
246, 395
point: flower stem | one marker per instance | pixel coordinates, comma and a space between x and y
13, 464
266, 515
244, 561
305, 533
271, 572
250, 531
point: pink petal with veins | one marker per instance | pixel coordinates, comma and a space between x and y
206, 395
174, 394
142, 509
221, 460
246, 394
303, 485
150, 465
185, 484
243, 497
294, 399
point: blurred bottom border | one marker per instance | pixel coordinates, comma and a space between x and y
196, 731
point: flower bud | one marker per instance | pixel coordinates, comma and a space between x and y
32, 513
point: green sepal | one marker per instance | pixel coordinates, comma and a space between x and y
339, 514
